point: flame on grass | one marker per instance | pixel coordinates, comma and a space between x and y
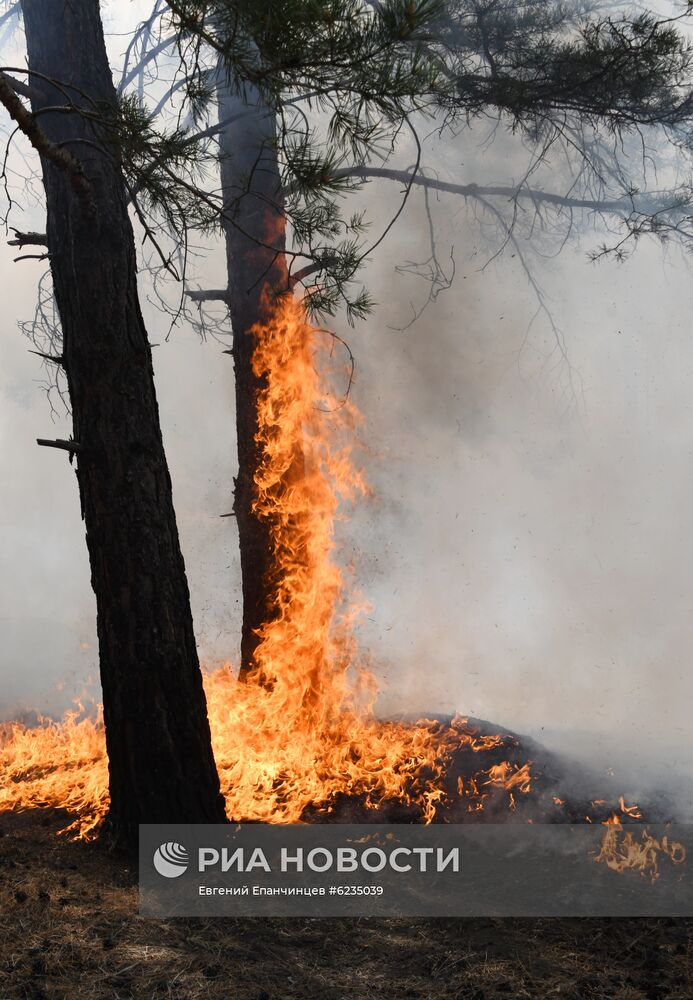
59, 765
621, 850
300, 732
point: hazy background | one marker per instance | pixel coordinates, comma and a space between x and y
528, 551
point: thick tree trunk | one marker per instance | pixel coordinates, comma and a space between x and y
157, 732
255, 240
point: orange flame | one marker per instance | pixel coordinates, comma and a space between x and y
300, 732
621, 851
57, 765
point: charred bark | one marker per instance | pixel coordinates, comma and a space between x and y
157, 733
255, 240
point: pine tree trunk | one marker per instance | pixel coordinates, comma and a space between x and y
255, 240
157, 733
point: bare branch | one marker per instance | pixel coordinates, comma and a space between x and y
24, 89
60, 157
304, 272
57, 359
30, 256
9, 14
22, 240
71, 446
484, 191
161, 46
208, 295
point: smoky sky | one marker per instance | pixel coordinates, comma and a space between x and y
527, 550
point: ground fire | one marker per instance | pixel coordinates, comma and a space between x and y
298, 739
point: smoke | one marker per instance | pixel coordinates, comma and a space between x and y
528, 554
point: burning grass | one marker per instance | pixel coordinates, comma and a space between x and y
299, 736
298, 740
64, 765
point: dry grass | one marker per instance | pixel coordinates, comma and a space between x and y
69, 929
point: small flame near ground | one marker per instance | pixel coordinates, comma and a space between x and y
300, 733
622, 851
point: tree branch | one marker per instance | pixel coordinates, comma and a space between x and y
27, 123
71, 446
129, 76
484, 191
208, 295
304, 272
9, 14
30, 256
22, 240
57, 359
24, 89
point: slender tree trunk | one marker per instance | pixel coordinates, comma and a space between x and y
157, 733
255, 240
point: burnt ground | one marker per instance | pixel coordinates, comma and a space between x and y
69, 928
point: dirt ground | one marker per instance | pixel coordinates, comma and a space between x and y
69, 928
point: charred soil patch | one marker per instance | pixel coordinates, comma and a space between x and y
69, 928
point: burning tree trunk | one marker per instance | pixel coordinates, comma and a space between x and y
161, 766
255, 239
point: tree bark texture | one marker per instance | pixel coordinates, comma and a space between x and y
161, 763
255, 241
